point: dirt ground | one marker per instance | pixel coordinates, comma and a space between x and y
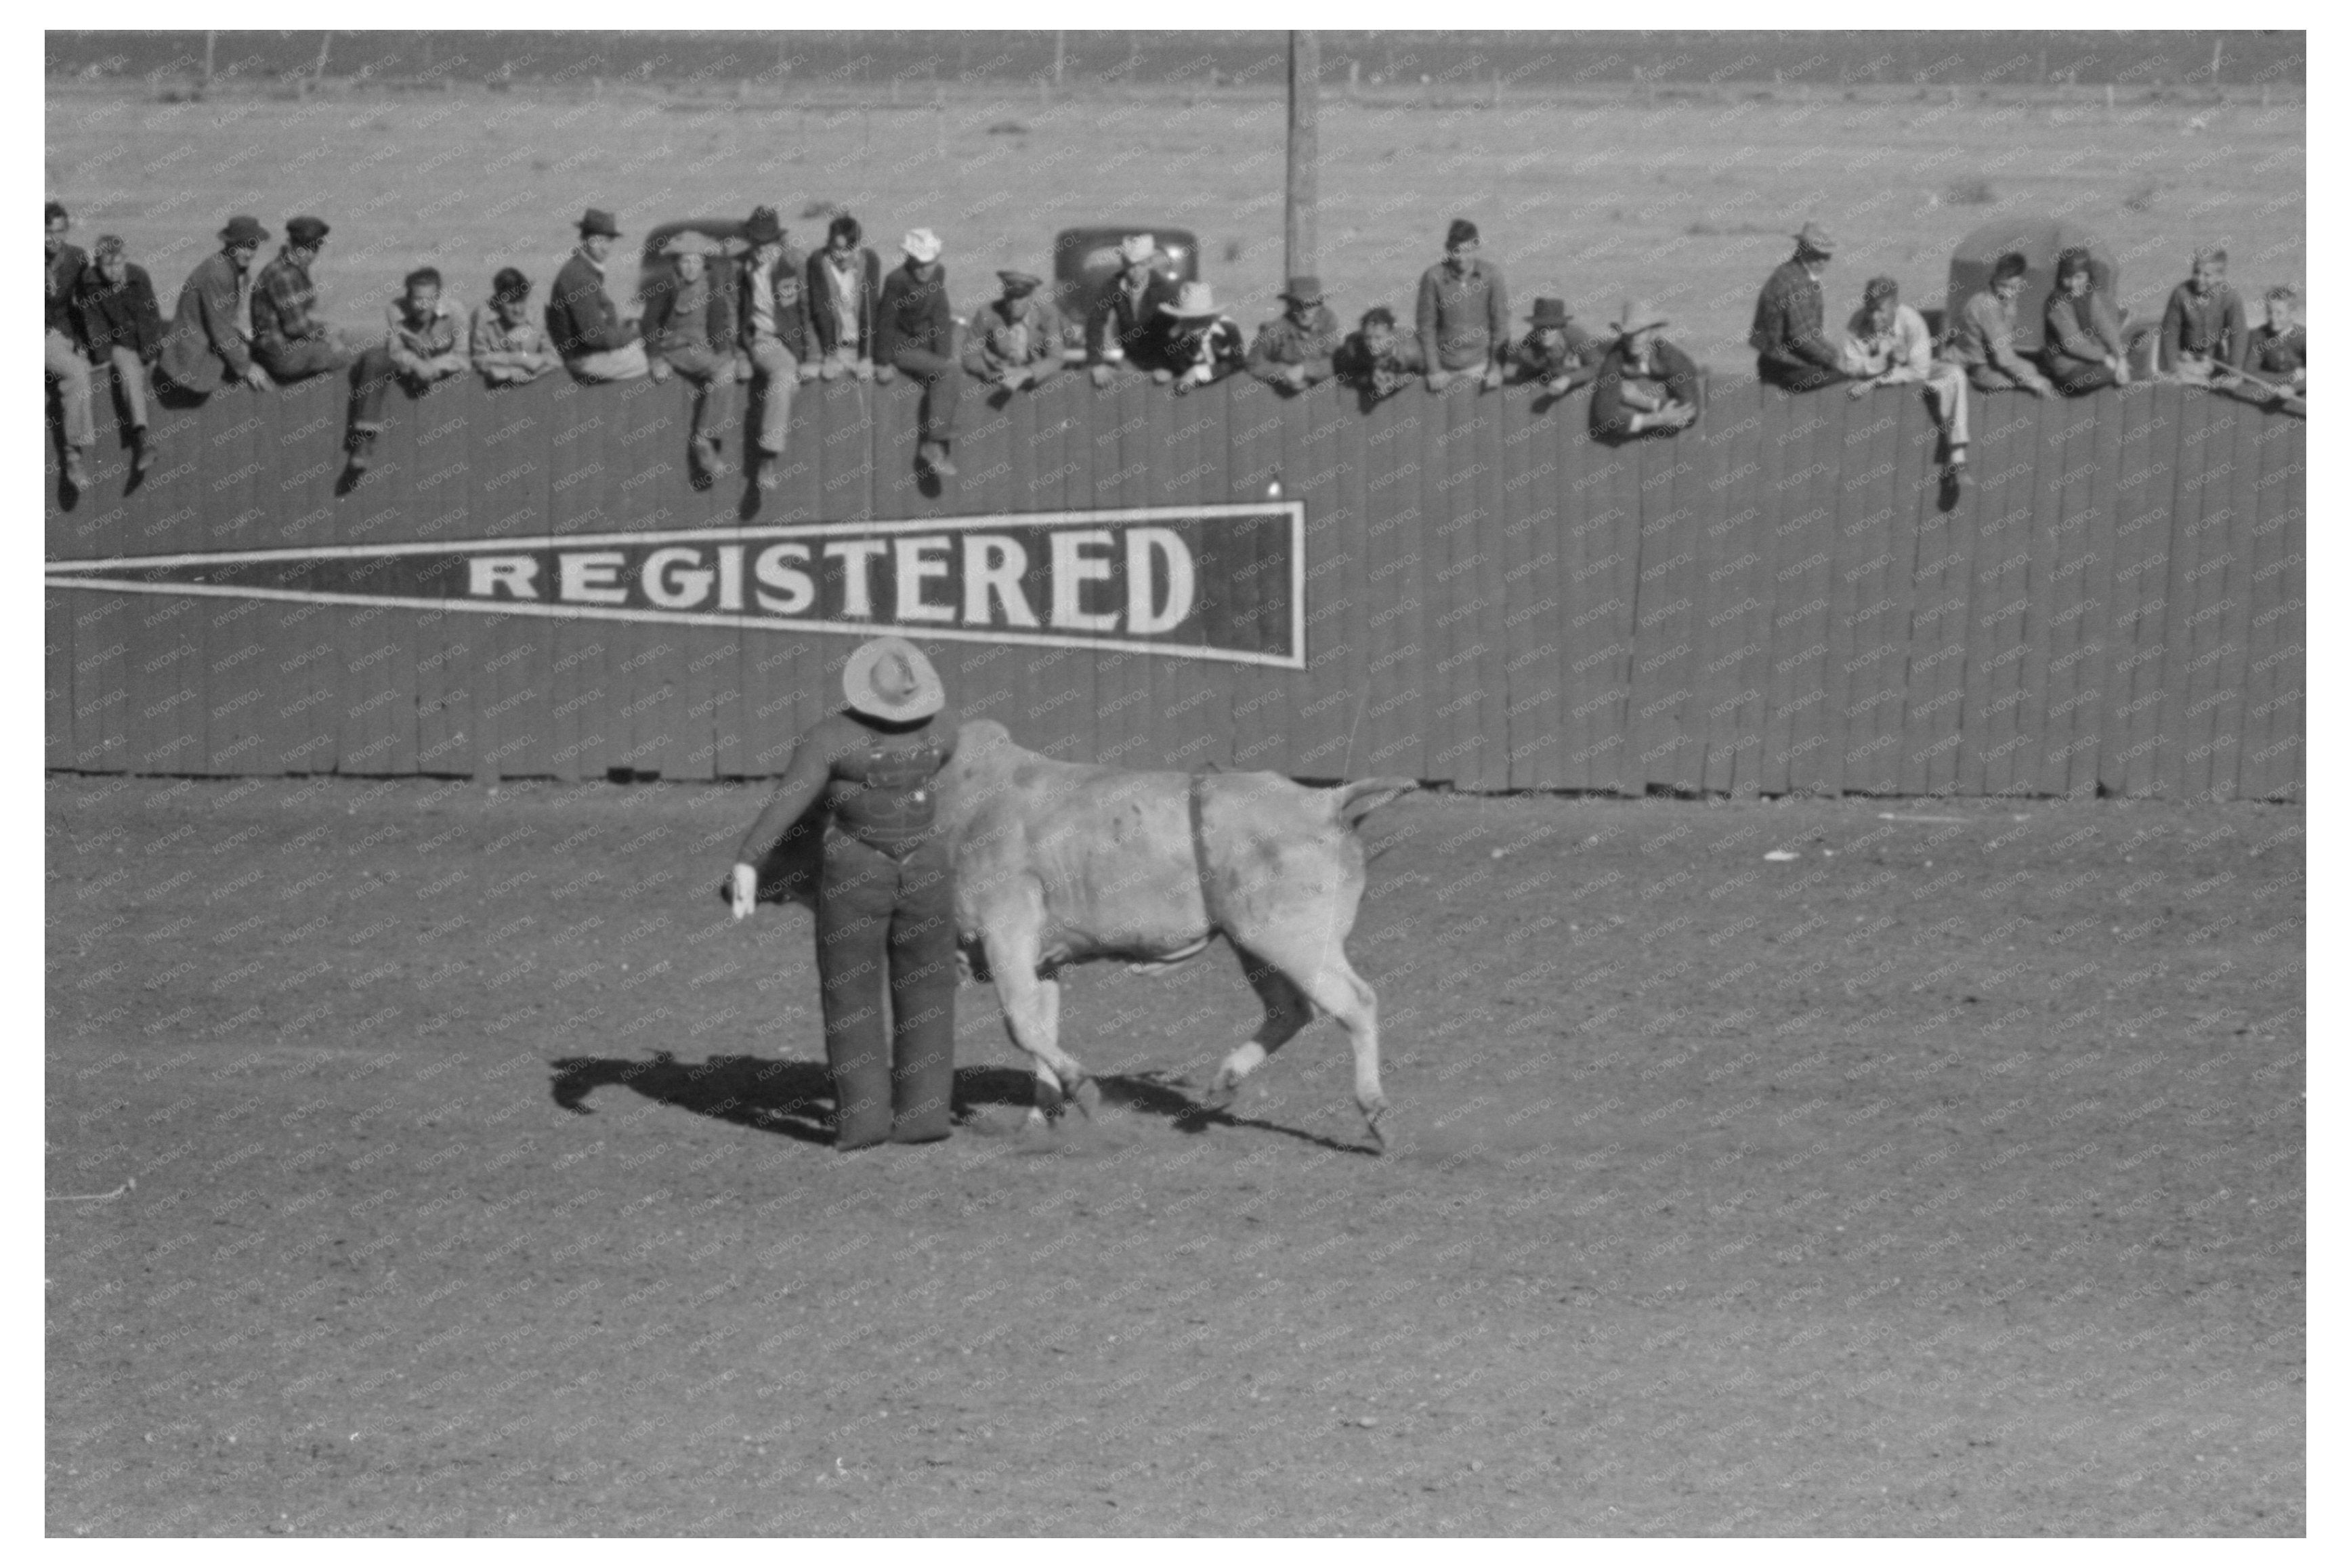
1944, 1179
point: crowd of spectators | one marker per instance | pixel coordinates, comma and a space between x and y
768, 319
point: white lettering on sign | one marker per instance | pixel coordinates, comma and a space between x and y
685, 588
1071, 569
921, 558
1141, 544
516, 574
773, 568
857, 584
993, 567
591, 576
730, 577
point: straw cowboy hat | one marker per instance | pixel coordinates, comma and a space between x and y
1636, 314
922, 245
1193, 302
889, 678
1137, 247
1815, 239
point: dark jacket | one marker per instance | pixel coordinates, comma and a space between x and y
1139, 330
581, 316
1379, 374
1576, 356
1283, 342
2209, 325
913, 314
1788, 320
124, 313
1666, 364
65, 270
664, 329
2278, 355
789, 287
824, 317
202, 349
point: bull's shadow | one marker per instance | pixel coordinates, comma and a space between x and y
795, 1098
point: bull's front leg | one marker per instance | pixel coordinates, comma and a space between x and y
1032, 1016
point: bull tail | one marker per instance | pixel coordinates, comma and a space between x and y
1361, 798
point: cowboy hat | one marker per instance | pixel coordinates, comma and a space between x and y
922, 245
243, 230
1549, 312
690, 242
1304, 289
763, 227
1192, 302
1636, 315
1137, 247
889, 678
596, 221
1815, 239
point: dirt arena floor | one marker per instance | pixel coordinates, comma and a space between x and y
1944, 1179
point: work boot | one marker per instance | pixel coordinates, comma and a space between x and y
932, 455
770, 471
705, 458
142, 456
76, 474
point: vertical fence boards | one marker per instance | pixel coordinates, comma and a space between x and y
1778, 600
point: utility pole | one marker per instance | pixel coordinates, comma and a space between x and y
1298, 215
326, 42
209, 38
1060, 58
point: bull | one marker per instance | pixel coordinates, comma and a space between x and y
1060, 862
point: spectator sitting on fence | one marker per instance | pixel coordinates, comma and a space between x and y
1294, 350
1016, 338
1791, 349
1463, 314
2204, 326
1377, 359
689, 328
1984, 339
66, 364
771, 334
1204, 344
582, 323
507, 347
420, 350
2082, 339
1888, 344
289, 339
1644, 384
918, 335
120, 325
1557, 353
203, 348
2277, 358
1126, 326
844, 301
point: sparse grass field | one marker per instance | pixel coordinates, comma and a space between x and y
1686, 199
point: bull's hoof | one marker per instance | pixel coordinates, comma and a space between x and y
1086, 1095
1219, 1096
1372, 1127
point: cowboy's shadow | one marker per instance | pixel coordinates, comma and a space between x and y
791, 1098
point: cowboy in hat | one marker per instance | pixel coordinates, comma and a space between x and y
772, 338
1556, 353
1463, 316
915, 332
202, 349
582, 322
1203, 344
689, 328
1644, 383
885, 895
1015, 340
1792, 348
1295, 350
1124, 325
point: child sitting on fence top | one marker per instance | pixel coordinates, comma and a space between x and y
420, 350
1888, 344
1644, 384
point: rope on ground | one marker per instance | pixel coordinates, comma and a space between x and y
128, 1183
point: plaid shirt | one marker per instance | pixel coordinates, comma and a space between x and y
1788, 318
283, 299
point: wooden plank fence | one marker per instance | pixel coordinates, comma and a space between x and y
1779, 600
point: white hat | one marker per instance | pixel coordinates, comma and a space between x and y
1191, 302
1137, 247
921, 245
889, 678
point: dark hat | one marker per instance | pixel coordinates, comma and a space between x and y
1304, 289
305, 230
1549, 312
596, 221
244, 230
765, 227
1020, 282
1815, 240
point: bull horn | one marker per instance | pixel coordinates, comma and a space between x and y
1364, 795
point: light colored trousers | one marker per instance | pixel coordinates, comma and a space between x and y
624, 364
65, 362
777, 373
